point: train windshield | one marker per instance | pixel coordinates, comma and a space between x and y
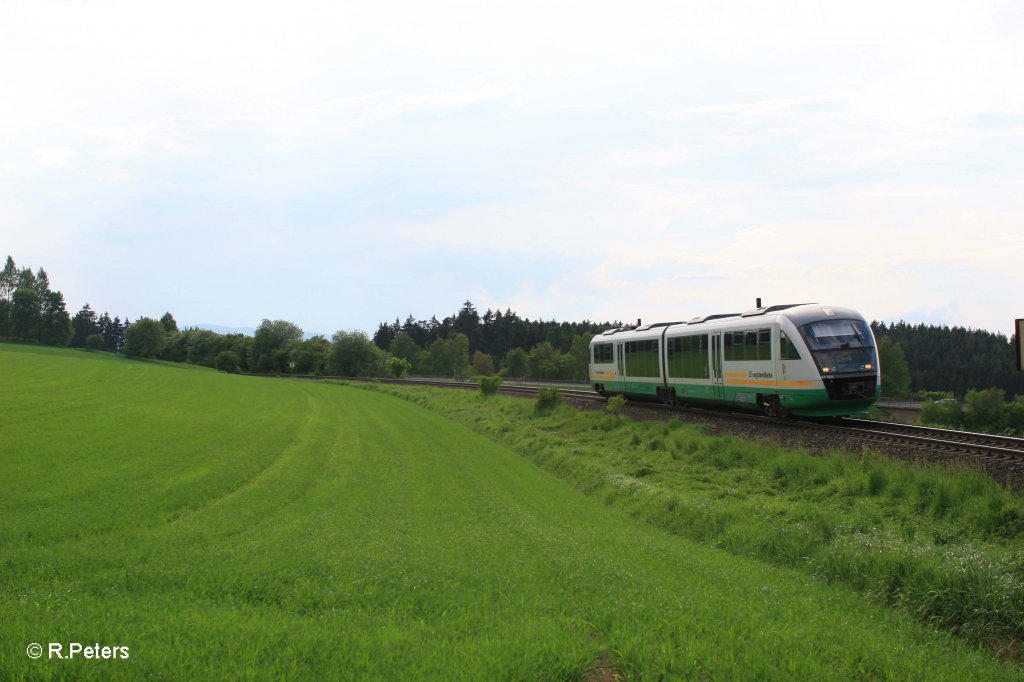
840, 345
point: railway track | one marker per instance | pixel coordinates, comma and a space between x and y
988, 445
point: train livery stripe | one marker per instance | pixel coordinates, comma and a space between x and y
769, 382
743, 379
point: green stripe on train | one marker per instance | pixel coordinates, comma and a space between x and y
800, 402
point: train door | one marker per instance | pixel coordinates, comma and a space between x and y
620, 359
717, 378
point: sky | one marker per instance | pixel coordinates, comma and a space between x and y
339, 164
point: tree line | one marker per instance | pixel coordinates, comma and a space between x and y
467, 342
461, 345
952, 360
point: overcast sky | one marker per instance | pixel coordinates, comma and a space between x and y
337, 164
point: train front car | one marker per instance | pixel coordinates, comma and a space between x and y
842, 356
805, 360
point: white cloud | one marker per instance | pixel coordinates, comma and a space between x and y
53, 157
761, 107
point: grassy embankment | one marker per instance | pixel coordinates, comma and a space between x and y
945, 545
228, 527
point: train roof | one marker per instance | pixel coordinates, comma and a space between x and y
798, 313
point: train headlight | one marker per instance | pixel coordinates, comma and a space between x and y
825, 370
868, 366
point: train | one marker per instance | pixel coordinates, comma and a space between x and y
793, 360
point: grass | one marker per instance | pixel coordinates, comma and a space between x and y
944, 545
227, 527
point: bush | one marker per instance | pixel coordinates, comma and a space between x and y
399, 366
547, 399
94, 342
615, 404
490, 385
227, 361
946, 412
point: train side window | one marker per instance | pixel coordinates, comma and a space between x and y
603, 353
733, 345
749, 344
764, 343
787, 350
642, 359
688, 357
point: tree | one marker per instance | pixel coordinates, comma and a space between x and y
26, 279
439, 357
893, 364
26, 312
544, 361
466, 320
104, 323
403, 346
168, 323
241, 344
460, 354
354, 354
386, 333
482, 363
5, 318
144, 338
42, 283
578, 356
8, 280
83, 325
54, 323
116, 335
516, 363
312, 356
269, 340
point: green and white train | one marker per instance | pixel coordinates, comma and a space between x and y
806, 360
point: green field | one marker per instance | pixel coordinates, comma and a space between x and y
226, 527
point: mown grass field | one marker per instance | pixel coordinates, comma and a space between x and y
227, 527
945, 544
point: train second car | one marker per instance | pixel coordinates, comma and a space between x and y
806, 360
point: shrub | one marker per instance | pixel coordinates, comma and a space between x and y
615, 404
490, 385
94, 342
227, 361
945, 412
547, 399
399, 366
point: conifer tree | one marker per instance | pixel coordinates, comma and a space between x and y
84, 324
8, 280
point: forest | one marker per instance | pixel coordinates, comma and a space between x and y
915, 358
954, 359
